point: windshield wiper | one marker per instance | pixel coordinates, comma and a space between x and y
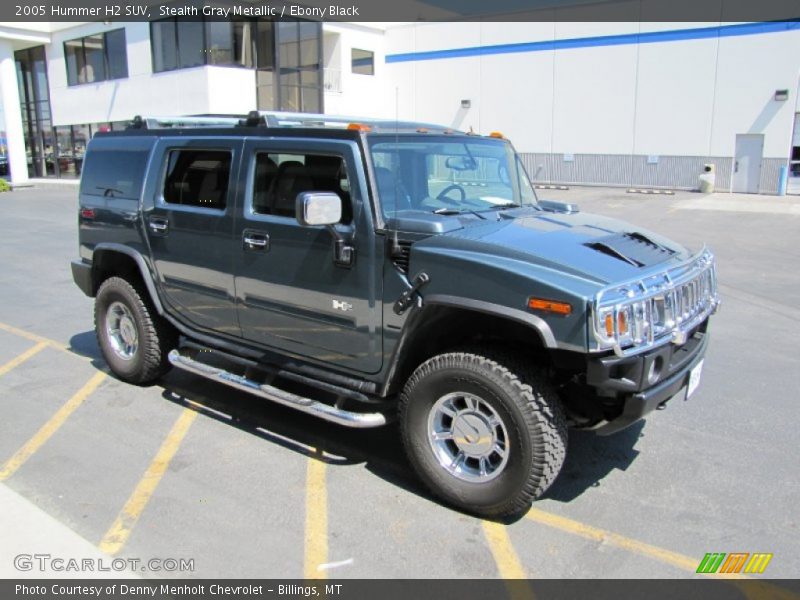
452, 211
504, 206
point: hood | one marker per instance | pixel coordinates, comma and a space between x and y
596, 248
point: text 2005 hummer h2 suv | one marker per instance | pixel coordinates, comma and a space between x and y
362, 271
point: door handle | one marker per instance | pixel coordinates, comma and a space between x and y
255, 241
736, 166
158, 225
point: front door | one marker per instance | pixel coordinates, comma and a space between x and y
188, 215
747, 163
292, 297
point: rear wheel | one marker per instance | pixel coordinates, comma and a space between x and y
134, 339
482, 432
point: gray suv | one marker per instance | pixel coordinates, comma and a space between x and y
362, 271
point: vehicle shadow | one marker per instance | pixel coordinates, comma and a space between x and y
590, 458
85, 344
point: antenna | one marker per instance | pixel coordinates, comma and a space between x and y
396, 249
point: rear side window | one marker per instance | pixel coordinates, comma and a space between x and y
198, 178
114, 173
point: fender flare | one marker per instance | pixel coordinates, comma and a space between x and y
141, 263
498, 310
412, 325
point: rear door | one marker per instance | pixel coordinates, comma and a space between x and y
188, 216
292, 297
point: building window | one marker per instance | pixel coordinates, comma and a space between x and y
198, 178
287, 55
299, 58
97, 57
180, 44
363, 62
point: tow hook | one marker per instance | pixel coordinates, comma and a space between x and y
406, 299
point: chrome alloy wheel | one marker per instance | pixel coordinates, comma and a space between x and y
121, 331
468, 437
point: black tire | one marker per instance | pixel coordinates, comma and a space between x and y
155, 337
532, 416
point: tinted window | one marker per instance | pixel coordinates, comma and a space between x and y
279, 178
220, 42
165, 50
93, 49
114, 173
190, 44
116, 54
363, 62
198, 178
96, 57
73, 52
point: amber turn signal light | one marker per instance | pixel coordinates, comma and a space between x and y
551, 306
609, 325
622, 323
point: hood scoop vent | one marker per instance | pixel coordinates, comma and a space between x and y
635, 249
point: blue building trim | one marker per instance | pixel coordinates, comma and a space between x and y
651, 37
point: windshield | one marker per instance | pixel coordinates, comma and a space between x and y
447, 176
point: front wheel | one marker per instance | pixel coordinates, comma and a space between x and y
483, 433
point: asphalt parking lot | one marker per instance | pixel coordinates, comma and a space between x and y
190, 469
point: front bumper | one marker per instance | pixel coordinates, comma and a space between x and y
628, 378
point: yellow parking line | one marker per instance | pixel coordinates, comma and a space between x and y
119, 532
508, 563
49, 428
674, 559
316, 534
15, 362
34, 337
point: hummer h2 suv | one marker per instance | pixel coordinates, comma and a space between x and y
363, 271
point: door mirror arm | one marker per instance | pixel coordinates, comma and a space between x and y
325, 208
344, 253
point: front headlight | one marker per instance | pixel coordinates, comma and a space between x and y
638, 315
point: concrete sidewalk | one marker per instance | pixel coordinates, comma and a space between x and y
29, 531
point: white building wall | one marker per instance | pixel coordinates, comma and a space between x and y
184, 91
637, 102
353, 93
750, 69
675, 98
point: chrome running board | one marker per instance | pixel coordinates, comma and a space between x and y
269, 392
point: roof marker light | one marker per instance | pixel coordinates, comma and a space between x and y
359, 127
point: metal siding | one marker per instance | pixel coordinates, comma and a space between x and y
770, 172
678, 172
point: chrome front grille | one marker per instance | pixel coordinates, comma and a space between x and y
666, 305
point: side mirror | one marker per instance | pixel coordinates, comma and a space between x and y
325, 208
318, 208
